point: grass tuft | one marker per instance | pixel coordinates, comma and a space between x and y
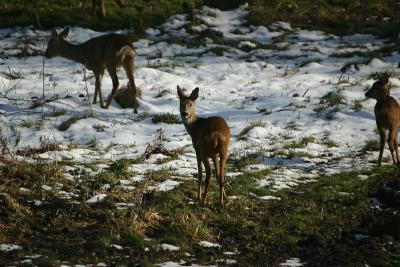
67, 123
167, 118
243, 134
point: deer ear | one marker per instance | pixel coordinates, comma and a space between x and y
195, 94
64, 33
54, 33
384, 78
180, 92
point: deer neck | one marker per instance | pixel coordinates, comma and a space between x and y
190, 123
72, 52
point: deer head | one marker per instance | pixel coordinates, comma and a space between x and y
187, 104
380, 88
53, 45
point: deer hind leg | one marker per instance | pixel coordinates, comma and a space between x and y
94, 4
216, 167
113, 74
102, 9
217, 172
129, 67
382, 134
97, 88
199, 178
391, 141
222, 194
82, 3
396, 148
207, 166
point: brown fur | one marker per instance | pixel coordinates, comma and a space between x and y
109, 51
387, 115
98, 7
210, 138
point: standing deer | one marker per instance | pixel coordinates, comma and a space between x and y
210, 138
387, 115
98, 7
109, 51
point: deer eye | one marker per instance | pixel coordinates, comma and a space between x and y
190, 104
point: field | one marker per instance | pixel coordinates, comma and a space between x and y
80, 185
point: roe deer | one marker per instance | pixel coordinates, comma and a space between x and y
387, 115
100, 10
210, 138
109, 51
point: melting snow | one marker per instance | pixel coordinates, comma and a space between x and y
293, 262
167, 185
9, 247
207, 244
97, 199
169, 247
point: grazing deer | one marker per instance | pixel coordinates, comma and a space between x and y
210, 138
387, 115
98, 7
109, 51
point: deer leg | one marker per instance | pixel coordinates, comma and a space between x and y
396, 148
207, 166
94, 7
222, 194
97, 87
382, 134
199, 178
215, 161
82, 3
102, 9
113, 74
120, 3
217, 171
129, 69
391, 141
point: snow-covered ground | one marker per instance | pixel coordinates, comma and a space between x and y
273, 77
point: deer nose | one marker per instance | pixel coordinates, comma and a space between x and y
367, 94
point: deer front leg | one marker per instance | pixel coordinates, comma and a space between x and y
97, 87
199, 178
207, 167
396, 147
382, 134
391, 141
222, 194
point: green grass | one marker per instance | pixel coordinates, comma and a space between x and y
329, 142
67, 123
332, 99
312, 221
301, 143
371, 145
137, 14
339, 17
156, 64
292, 125
243, 133
356, 105
167, 118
